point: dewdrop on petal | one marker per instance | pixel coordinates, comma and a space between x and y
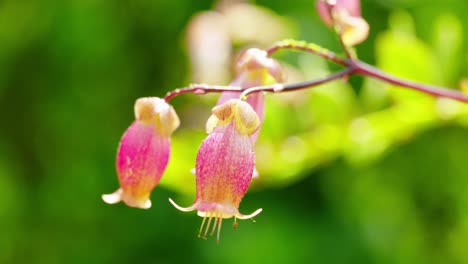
224, 165
143, 152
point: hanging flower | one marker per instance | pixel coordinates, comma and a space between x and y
143, 152
347, 17
224, 165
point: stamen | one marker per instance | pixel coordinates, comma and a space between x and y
215, 224
208, 225
201, 227
219, 229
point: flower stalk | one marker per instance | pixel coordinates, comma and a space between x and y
352, 66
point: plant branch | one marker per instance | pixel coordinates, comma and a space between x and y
365, 69
274, 88
307, 47
201, 89
352, 66
277, 88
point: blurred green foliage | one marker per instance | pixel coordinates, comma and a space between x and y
357, 172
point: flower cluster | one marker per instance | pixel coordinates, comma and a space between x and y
225, 163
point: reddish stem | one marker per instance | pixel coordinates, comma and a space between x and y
362, 68
324, 53
371, 71
352, 66
278, 88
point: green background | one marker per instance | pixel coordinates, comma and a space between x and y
350, 173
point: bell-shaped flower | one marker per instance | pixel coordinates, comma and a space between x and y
346, 14
143, 152
224, 165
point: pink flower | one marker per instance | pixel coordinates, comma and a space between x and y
352, 28
143, 152
224, 165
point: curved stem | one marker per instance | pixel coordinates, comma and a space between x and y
330, 6
365, 69
277, 88
201, 89
349, 53
307, 47
352, 66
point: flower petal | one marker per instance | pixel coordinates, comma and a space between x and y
183, 209
243, 217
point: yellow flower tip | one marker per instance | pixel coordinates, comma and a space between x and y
157, 111
245, 119
211, 124
145, 108
223, 112
120, 195
353, 30
221, 115
257, 61
356, 33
